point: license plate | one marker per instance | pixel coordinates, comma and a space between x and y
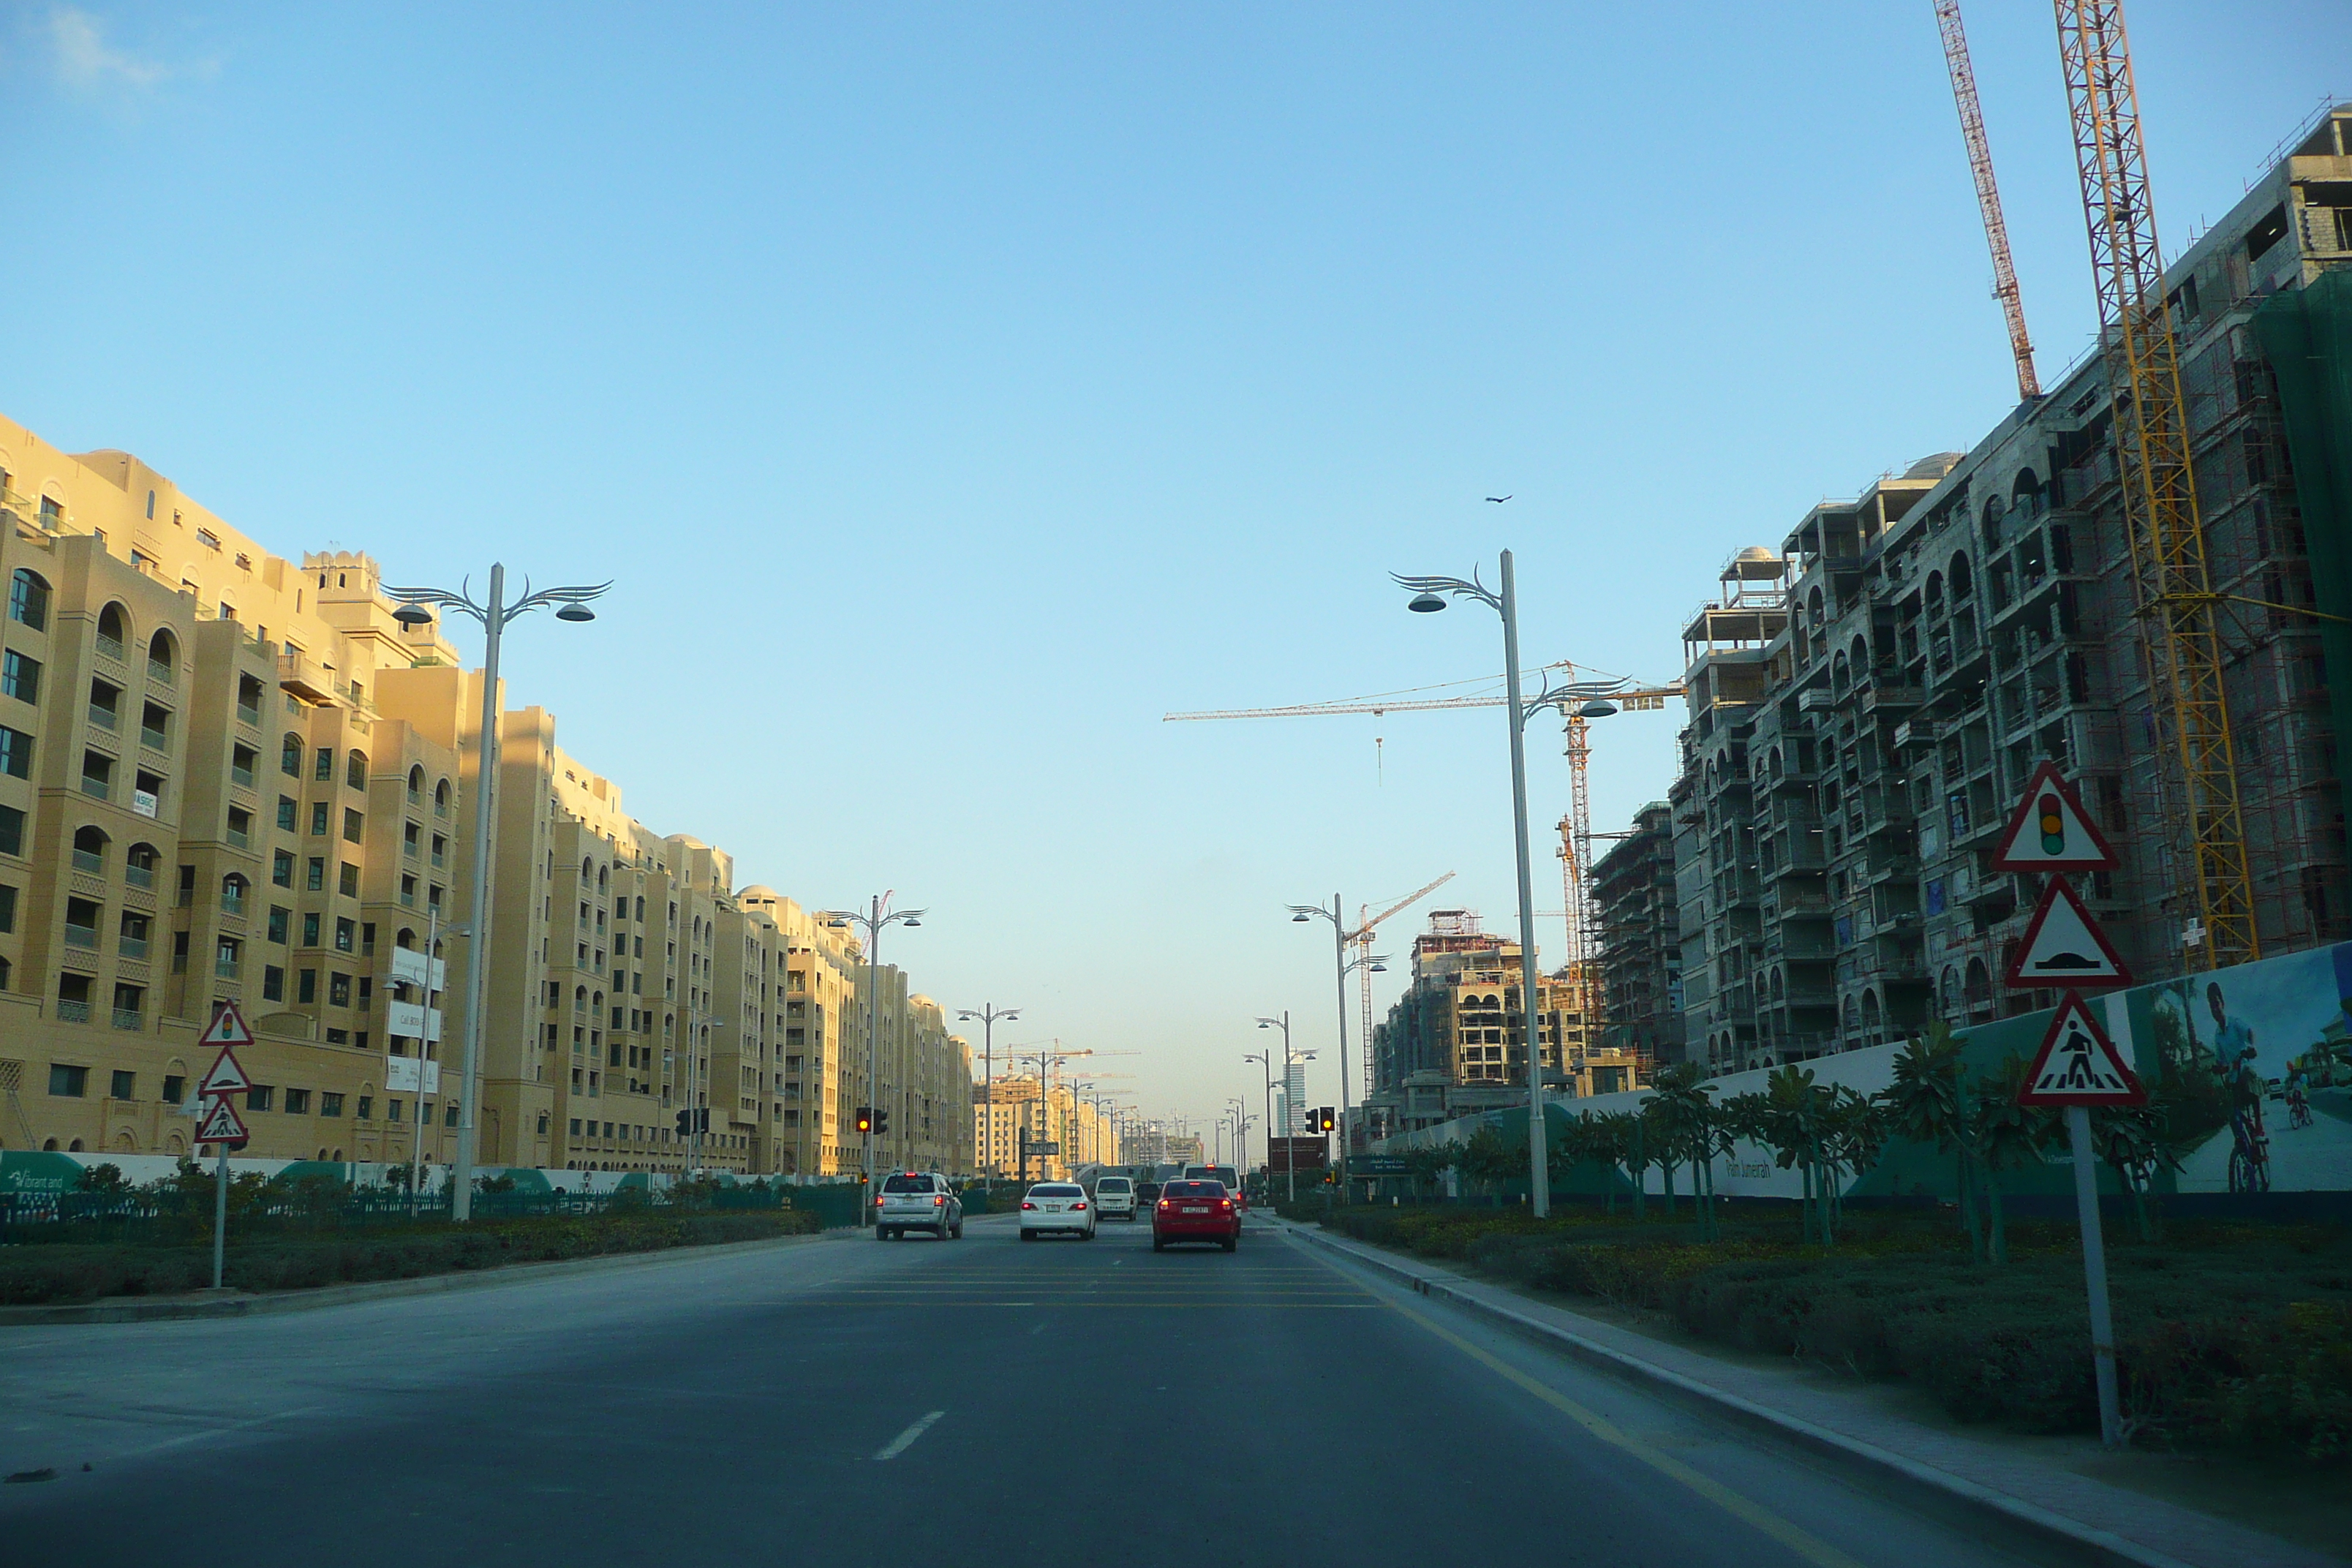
1189, 1208
1053, 1208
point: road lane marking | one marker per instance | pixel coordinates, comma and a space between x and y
906, 1440
1810, 1547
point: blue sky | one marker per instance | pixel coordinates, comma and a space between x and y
974, 384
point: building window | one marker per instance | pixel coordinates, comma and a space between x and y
306, 986
315, 875
175, 1088
286, 812
289, 758
281, 868
12, 824
330, 1104
273, 984
325, 771
298, 1102
66, 1082
344, 932
97, 775
20, 676
319, 818
338, 990
367, 1107
28, 600
7, 908
349, 881
227, 958
310, 929
354, 824
279, 918
15, 754
125, 1085
260, 1097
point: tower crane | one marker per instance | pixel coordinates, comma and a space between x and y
2171, 576
1972, 132
1361, 939
1576, 828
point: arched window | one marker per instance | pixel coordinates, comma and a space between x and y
587, 869
1837, 672
28, 599
604, 879
290, 755
163, 659
232, 890
355, 769
441, 798
1951, 988
1852, 1013
1963, 585
89, 850
1870, 1014
4, 974
1935, 593
1859, 653
1989, 521
580, 998
405, 940
111, 632
139, 863
416, 784
1980, 983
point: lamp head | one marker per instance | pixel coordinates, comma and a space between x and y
1425, 604
912, 922
575, 613
1379, 968
1298, 919
1599, 707
413, 615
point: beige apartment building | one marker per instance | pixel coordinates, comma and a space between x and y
225, 776
1013, 1107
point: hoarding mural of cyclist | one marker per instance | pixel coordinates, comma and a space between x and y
2262, 1055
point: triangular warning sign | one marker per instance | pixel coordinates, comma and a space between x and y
2050, 832
2065, 946
227, 1027
226, 1077
221, 1125
2078, 1065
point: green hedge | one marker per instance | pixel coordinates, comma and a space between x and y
69, 1272
2228, 1335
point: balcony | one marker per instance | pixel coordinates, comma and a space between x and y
110, 648
154, 739
130, 1019
139, 876
72, 1012
104, 718
133, 948
304, 677
83, 937
159, 673
89, 861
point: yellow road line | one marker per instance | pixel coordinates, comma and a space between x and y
1803, 1543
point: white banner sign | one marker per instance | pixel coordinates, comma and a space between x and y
400, 1073
408, 966
412, 1019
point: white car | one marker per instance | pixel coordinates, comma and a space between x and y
1053, 1206
917, 1200
1114, 1198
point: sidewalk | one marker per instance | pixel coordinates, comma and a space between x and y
2038, 1502
234, 1303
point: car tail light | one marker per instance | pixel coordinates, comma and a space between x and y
1076, 1207
1167, 1204
1027, 1204
1227, 1204
938, 1202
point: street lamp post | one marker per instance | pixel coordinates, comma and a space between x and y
572, 605
1429, 594
1266, 1060
989, 1013
1300, 914
875, 924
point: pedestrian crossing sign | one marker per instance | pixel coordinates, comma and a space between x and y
222, 1125
2078, 1065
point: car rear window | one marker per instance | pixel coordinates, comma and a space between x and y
1193, 1190
907, 1184
1057, 1190
1111, 1185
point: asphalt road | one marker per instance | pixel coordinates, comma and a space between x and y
974, 1402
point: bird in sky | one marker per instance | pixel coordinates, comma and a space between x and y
1501, 499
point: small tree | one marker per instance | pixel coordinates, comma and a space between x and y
1927, 1104
1687, 1120
2002, 1135
1490, 1160
105, 1178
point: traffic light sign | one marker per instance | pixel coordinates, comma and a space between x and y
881, 1118
685, 1123
866, 1119
1325, 1120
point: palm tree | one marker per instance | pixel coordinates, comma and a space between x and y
1687, 1120
1929, 1104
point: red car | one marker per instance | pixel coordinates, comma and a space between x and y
1195, 1210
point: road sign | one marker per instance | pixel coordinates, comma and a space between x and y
2062, 946
227, 1027
225, 1077
222, 1125
1041, 1148
2078, 1065
1378, 1165
2051, 832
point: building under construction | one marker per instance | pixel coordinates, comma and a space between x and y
1868, 700
1639, 928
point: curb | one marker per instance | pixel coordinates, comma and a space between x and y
135, 1309
1937, 1493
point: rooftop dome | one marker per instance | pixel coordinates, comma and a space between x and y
1934, 468
760, 893
1753, 564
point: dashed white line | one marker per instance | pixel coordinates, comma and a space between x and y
906, 1440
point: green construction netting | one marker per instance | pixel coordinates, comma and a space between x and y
2308, 336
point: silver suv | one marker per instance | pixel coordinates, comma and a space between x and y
917, 1200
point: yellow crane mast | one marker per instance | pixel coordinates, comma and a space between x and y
2177, 608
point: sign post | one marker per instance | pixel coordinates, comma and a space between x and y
2078, 1067
219, 1124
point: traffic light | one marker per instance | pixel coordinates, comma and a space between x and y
685, 1123
866, 1119
1325, 1121
881, 1118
